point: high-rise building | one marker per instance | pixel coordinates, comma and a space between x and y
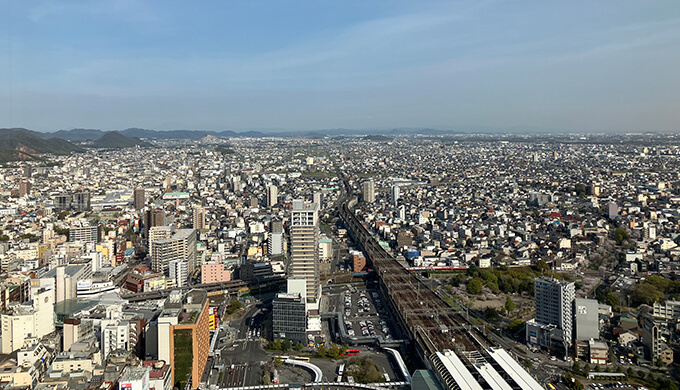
24, 188
183, 335
275, 243
177, 271
115, 336
81, 201
318, 199
552, 325
140, 198
199, 218
290, 317
28, 171
276, 227
653, 339
272, 195
182, 245
395, 194
153, 217
157, 233
369, 191
586, 319
34, 319
62, 202
304, 241
612, 210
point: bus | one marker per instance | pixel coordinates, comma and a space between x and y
341, 369
275, 376
352, 352
300, 358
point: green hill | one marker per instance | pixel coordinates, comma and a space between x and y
22, 144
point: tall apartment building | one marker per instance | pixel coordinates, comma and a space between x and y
140, 198
24, 188
62, 202
177, 271
552, 325
653, 339
158, 233
115, 336
272, 195
275, 243
81, 201
153, 217
304, 242
182, 245
668, 310
368, 190
395, 194
199, 218
84, 233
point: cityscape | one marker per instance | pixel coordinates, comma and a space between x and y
410, 262
337, 195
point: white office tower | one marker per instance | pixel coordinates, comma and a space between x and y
395, 194
402, 212
272, 195
24, 324
304, 241
177, 270
554, 300
369, 191
115, 336
275, 243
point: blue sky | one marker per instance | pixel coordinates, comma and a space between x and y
590, 66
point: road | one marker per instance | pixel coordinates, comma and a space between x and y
244, 357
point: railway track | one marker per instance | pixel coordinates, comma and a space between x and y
429, 321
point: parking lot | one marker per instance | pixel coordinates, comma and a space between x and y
364, 313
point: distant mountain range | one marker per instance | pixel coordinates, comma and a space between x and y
117, 140
22, 144
81, 135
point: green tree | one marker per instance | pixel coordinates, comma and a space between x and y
298, 346
597, 368
620, 234
586, 368
576, 367
63, 215
321, 351
286, 345
661, 283
542, 266
645, 293
641, 374
613, 300
274, 345
491, 313
509, 304
333, 351
629, 372
474, 286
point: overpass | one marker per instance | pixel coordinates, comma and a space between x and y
232, 287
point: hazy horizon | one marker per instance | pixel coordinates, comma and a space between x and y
577, 67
